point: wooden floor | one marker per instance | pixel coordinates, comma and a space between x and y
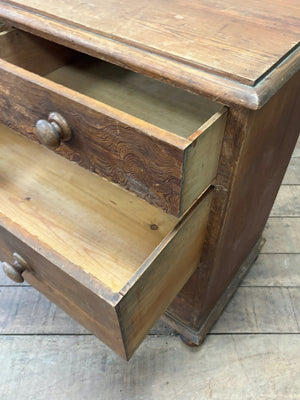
252, 353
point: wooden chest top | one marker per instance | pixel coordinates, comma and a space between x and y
205, 42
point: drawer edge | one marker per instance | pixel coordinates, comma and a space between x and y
201, 158
163, 275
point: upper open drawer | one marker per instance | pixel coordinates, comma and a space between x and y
156, 140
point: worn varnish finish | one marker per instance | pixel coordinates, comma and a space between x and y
172, 29
207, 39
252, 165
159, 166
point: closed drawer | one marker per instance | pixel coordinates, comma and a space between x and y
155, 140
108, 258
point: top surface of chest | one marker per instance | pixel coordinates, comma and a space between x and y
235, 39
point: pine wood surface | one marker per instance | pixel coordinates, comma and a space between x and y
181, 73
253, 352
52, 206
237, 39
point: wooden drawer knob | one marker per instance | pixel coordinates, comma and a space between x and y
14, 271
53, 131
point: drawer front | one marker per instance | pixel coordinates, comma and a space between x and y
166, 169
100, 142
71, 293
108, 258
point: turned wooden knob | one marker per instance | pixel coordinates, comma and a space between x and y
14, 271
53, 131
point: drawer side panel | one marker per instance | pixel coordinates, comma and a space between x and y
162, 276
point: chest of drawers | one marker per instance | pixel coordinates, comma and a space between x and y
165, 139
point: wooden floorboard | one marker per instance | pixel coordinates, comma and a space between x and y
274, 270
236, 367
282, 236
287, 203
26, 311
261, 310
251, 310
252, 353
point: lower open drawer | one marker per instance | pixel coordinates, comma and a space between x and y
109, 259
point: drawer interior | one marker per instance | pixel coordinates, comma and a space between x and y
162, 105
167, 107
108, 258
83, 217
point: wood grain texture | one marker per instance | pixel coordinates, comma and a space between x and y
268, 270
92, 309
256, 150
268, 369
108, 258
202, 158
158, 281
98, 314
123, 152
221, 39
141, 305
196, 80
137, 155
51, 206
251, 367
255, 310
23, 310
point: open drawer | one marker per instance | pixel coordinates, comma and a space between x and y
156, 140
108, 258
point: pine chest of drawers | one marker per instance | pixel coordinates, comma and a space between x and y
142, 147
